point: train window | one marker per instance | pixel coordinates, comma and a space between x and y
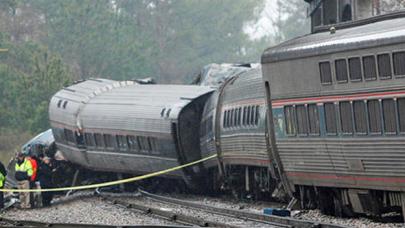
302, 119
289, 114
384, 66
69, 135
239, 116
248, 116
252, 115
346, 117
59, 103
98, 139
317, 17
89, 139
313, 117
224, 119
153, 145
360, 118
401, 114
341, 70
329, 12
64, 104
132, 143
390, 123
257, 115
244, 116
369, 68
355, 69
374, 116
345, 10
399, 63
330, 118
122, 142
109, 141
235, 117
231, 119
326, 73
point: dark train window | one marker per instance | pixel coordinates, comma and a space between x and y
257, 115
330, 118
224, 119
132, 143
313, 117
143, 143
228, 121
109, 141
401, 114
326, 73
374, 116
399, 63
59, 103
153, 145
329, 12
360, 117
69, 135
239, 116
369, 68
244, 115
390, 123
355, 69
341, 70
99, 140
384, 66
64, 104
302, 119
88, 137
289, 114
252, 115
248, 116
122, 142
346, 117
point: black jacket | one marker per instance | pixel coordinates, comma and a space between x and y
45, 175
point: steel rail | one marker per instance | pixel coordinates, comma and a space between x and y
268, 219
172, 216
29, 223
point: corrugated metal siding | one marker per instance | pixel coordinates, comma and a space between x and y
378, 156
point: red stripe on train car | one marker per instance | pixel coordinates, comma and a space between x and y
353, 178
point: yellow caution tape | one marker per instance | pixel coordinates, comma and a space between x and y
105, 184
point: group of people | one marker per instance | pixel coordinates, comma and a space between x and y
32, 172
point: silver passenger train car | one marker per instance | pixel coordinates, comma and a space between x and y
338, 112
131, 128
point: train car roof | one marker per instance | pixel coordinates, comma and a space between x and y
369, 35
140, 107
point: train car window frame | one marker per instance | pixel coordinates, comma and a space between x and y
109, 141
244, 123
302, 119
224, 119
346, 118
290, 119
99, 140
386, 113
375, 117
252, 115
248, 116
89, 139
257, 116
333, 117
368, 70
360, 117
401, 114
390, 67
325, 73
352, 63
313, 120
398, 63
345, 76
132, 143
239, 117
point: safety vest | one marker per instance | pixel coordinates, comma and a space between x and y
24, 167
2, 178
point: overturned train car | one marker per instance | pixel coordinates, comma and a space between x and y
127, 127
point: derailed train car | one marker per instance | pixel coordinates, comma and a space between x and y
127, 127
338, 114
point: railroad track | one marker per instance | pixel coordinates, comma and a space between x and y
271, 221
28, 223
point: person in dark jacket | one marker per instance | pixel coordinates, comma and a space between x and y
44, 177
3, 174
